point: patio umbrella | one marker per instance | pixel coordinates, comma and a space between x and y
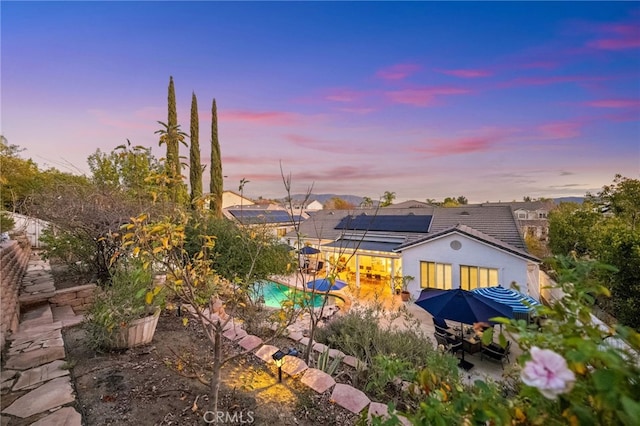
521, 304
462, 306
309, 250
324, 284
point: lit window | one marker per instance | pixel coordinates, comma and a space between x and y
475, 277
435, 275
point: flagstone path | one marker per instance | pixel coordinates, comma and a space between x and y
35, 381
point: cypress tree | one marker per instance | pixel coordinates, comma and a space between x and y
216, 166
195, 168
173, 149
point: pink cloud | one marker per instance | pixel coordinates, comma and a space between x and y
105, 117
560, 130
544, 81
398, 71
469, 73
265, 117
614, 103
322, 145
618, 37
423, 97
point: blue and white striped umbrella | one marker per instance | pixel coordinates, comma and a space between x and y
521, 303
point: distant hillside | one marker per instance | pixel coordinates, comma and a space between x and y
578, 200
323, 198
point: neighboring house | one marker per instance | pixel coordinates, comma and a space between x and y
468, 246
274, 218
410, 204
230, 198
30, 226
313, 206
532, 217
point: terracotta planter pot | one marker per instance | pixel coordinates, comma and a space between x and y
405, 296
139, 332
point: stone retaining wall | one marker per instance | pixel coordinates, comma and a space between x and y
14, 257
79, 298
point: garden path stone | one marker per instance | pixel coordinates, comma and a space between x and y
26, 360
66, 416
350, 398
36, 316
353, 362
335, 353
235, 333
293, 365
250, 342
320, 347
296, 336
304, 341
66, 316
52, 394
265, 353
317, 380
40, 374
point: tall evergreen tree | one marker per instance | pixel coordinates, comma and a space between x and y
216, 166
195, 168
173, 150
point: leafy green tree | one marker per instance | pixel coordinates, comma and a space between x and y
195, 167
338, 203
19, 178
233, 256
462, 200
216, 184
450, 202
622, 198
126, 168
604, 228
387, 198
366, 202
571, 228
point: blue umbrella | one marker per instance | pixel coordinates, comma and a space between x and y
461, 306
323, 284
521, 304
309, 250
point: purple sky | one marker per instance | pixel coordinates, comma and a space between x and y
493, 101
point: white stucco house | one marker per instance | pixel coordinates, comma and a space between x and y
440, 247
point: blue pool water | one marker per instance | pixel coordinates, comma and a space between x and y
274, 294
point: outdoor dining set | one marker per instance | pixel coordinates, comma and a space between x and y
472, 308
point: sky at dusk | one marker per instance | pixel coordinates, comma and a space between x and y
493, 101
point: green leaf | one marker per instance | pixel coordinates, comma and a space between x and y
604, 380
631, 407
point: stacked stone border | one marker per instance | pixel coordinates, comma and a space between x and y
348, 397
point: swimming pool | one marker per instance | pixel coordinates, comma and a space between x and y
275, 293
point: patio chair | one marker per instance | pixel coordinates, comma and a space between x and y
496, 352
442, 328
449, 346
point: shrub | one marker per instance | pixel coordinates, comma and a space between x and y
6, 222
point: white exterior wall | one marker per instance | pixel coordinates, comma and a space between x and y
473, 253
31, 226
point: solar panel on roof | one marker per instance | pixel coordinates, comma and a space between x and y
261, 216
388, 223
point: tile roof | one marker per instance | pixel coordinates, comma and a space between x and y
495, 221
472, 233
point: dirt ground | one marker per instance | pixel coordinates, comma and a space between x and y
157, 385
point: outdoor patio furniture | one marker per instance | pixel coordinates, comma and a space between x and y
449, 346
496, 352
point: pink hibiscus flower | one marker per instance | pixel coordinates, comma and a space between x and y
548, 372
